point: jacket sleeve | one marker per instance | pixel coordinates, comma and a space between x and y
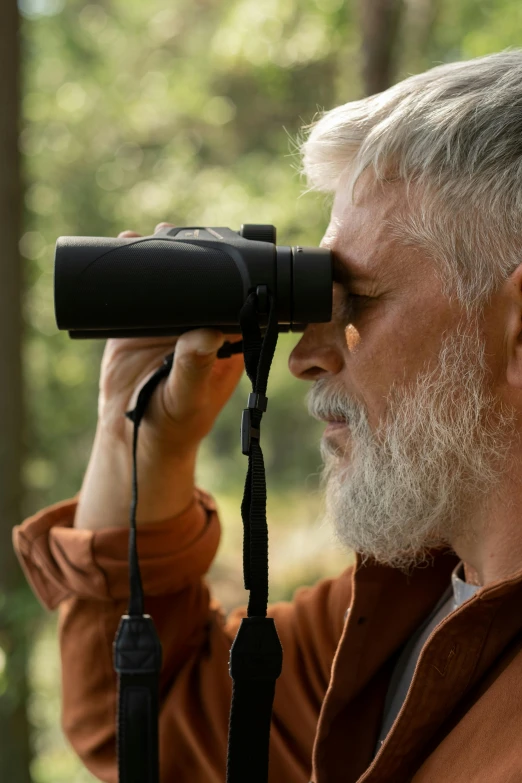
86, 574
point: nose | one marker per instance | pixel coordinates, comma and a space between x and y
316, 355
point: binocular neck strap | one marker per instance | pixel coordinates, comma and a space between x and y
137, 648
256, 655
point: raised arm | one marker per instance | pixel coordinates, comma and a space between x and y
75, 556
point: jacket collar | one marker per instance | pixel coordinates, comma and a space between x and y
387, 607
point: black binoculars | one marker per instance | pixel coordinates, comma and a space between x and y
186, 278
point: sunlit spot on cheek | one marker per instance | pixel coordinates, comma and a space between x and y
352, 337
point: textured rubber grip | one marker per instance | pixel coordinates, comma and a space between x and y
143, 284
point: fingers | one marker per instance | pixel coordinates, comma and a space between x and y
129, 234
196, 353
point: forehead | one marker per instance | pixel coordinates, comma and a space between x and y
362, 232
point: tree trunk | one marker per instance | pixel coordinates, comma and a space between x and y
14, 733
379, 27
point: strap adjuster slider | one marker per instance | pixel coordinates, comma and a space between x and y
257, 401
247, 432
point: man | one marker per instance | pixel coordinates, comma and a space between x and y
408, 667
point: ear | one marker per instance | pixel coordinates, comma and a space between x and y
513, 288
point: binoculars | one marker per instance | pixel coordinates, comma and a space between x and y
186, 278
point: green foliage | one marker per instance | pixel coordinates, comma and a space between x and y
138, 112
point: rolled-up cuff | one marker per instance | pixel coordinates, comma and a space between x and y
60, 561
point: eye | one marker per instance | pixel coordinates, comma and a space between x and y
350, 304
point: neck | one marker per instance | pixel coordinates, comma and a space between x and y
492, 550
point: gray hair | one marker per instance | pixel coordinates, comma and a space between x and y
454, 131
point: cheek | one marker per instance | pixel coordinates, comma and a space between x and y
390, 352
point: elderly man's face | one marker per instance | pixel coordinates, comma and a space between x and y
404, 368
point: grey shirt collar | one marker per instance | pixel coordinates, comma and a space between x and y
461, 589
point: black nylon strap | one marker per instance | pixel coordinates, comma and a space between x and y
256, 656
258, 354
251, 701
136, 607
137, 648
138, 731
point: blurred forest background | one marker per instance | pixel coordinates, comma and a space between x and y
120, 114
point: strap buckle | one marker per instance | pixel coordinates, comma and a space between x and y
247, 432
258, 402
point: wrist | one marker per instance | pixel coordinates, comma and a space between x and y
166, 484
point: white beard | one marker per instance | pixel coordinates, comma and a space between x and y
437, 453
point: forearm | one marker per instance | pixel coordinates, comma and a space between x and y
179, 416
87, 572
165, 482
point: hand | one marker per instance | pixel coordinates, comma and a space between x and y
181, 413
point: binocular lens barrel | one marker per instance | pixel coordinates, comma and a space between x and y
185, 278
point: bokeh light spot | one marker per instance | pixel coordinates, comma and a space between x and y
39, 473
41, 199
93, 18
71, 97
164, 25
32, 245
35, 8
219, 110
110, 176
130, 156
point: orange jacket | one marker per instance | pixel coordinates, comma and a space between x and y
462, 718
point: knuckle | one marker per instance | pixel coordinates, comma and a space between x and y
163, 225
194, 362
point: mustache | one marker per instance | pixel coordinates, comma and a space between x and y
326, 402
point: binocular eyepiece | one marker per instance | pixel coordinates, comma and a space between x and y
186, 278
